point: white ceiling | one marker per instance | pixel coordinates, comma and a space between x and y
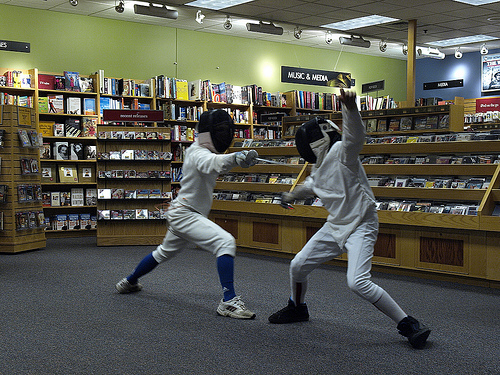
436, 20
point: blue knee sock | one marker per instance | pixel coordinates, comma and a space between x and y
225, 267
146, 265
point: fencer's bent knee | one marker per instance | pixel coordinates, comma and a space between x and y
161, 255
364, 287
226, 246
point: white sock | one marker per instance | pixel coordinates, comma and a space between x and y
390, 308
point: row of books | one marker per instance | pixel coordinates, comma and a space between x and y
431, 207
29, 220
132, 173
480, 117
133, 154
124, 87
25, 193
67, 151
183, 133
179, 151
431, 159
120, 193
132, 214
452, 137
243, 133
370, 103
320, 101
173, 111
430, 182
261, 133
54, 173
265, 143
68, 81
106, 102
272, 178
71, 106
164, 134
176, 174
72, 127
407, 123
76, 197
73, 221
246, 196
19, 100
16, 78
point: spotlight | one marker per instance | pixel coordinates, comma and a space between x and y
73, 2
120, 7
227, 23
356, 41
297, 33
155, 11
266, 28
382, 46
458, 53
199, 17
483, 50
328, 37
404, 49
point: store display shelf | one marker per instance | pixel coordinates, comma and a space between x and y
432, 169
431, 147
429, 193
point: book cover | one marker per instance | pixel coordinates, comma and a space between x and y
103, 193
71, 81
72, 127
394, 124
76, 151
77, 197
59, 130
382, 125
194, 88
48, 172
43, 104
60, 150
68, 173
46, 82
61, 222
46, 128
85, 221
182, 89
73, 106
89, 106
89, 127
24, 139
405, 123
86, 173
56, 104
45, 151
74, 221
55, 199
90, 197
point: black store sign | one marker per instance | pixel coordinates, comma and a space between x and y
444, 84
315, 77
7, 45
373, 86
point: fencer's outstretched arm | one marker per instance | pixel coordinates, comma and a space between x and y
353, 129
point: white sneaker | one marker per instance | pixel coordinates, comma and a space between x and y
123, 286
234, 308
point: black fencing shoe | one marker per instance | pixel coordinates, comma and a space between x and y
290, 314
417, 333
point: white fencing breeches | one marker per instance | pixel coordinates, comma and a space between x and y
188, 229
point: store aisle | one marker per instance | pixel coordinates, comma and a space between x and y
61, 315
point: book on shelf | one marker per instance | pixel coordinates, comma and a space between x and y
46, 82
90, 197
76, 151
61, 222
43, 104
48, 172
382, 125
89, 106
59, 130
104, 193
59, 82
73, 221
420, 123
394, 124
68, 173
371, 125
182, 89
45, 151
89, 126
86, 173
46, 128
60, 150
55, 198
24, 138
194, 89
71, 81
77, 197
73, 106
72, 127
405, 123
56, 104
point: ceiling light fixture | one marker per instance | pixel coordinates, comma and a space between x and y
266, 28
216, 4
356, 41
155, 11
404, 49
463, 40
73, 2
357, 23
227, 23
430, 52
120, 7
458, 53
483, 50
297, 33
476, 2
328, 37
199, 17
382, 46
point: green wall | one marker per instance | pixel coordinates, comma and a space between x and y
61, 41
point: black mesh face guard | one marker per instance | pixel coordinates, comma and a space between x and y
220, 126
311, 132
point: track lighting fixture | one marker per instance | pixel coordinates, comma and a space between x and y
458, 53
382, 46
328, 37
155, 11
356, 41
227, 23
199, 17
297, 33
404, 49
73, 2
266, 28
483, 50
120, 7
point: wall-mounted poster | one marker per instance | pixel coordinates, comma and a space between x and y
490, 73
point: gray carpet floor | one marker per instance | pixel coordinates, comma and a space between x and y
60, 314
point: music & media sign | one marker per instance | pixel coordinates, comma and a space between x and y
315, 77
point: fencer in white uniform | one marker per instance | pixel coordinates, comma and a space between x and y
339, 180
187, 216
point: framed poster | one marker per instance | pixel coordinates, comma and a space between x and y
490, 73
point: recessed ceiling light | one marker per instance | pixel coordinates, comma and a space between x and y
357, 23
216, 4
477, 2
462, 40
